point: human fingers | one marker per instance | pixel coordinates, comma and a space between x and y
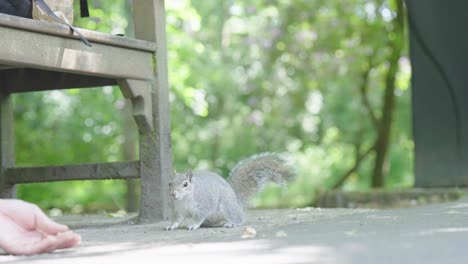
47, 244
29, 216
69, 238
45, 224
33, 246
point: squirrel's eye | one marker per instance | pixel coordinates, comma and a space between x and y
185, 184
169, 184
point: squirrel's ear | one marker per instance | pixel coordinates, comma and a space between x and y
190, 176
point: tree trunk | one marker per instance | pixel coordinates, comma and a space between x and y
383, 137
389, 100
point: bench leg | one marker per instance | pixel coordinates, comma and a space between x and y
7, 154
155, 147
151, 112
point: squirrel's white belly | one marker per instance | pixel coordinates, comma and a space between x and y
187, 207
184, 207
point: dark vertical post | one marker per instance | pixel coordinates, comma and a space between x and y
440, 91
7, 154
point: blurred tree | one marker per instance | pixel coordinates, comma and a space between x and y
303, 76
395, 45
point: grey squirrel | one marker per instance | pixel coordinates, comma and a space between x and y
213, 201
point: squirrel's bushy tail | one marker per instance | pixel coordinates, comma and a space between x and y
250, 175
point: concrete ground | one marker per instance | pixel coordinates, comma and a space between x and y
430, 234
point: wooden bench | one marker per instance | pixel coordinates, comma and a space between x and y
38, 56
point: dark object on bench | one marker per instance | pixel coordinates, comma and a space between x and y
23, 8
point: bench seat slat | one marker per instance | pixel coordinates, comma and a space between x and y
63, 31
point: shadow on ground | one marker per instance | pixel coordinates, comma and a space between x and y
430, 234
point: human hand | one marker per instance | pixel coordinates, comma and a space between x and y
26, 230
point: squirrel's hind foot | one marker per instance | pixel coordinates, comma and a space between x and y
230, 225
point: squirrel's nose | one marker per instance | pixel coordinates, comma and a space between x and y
173, 193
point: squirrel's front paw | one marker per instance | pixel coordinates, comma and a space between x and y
193, 227
171, 227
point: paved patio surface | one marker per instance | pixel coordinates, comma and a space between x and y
430, 234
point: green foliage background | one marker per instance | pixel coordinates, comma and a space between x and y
245, 77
